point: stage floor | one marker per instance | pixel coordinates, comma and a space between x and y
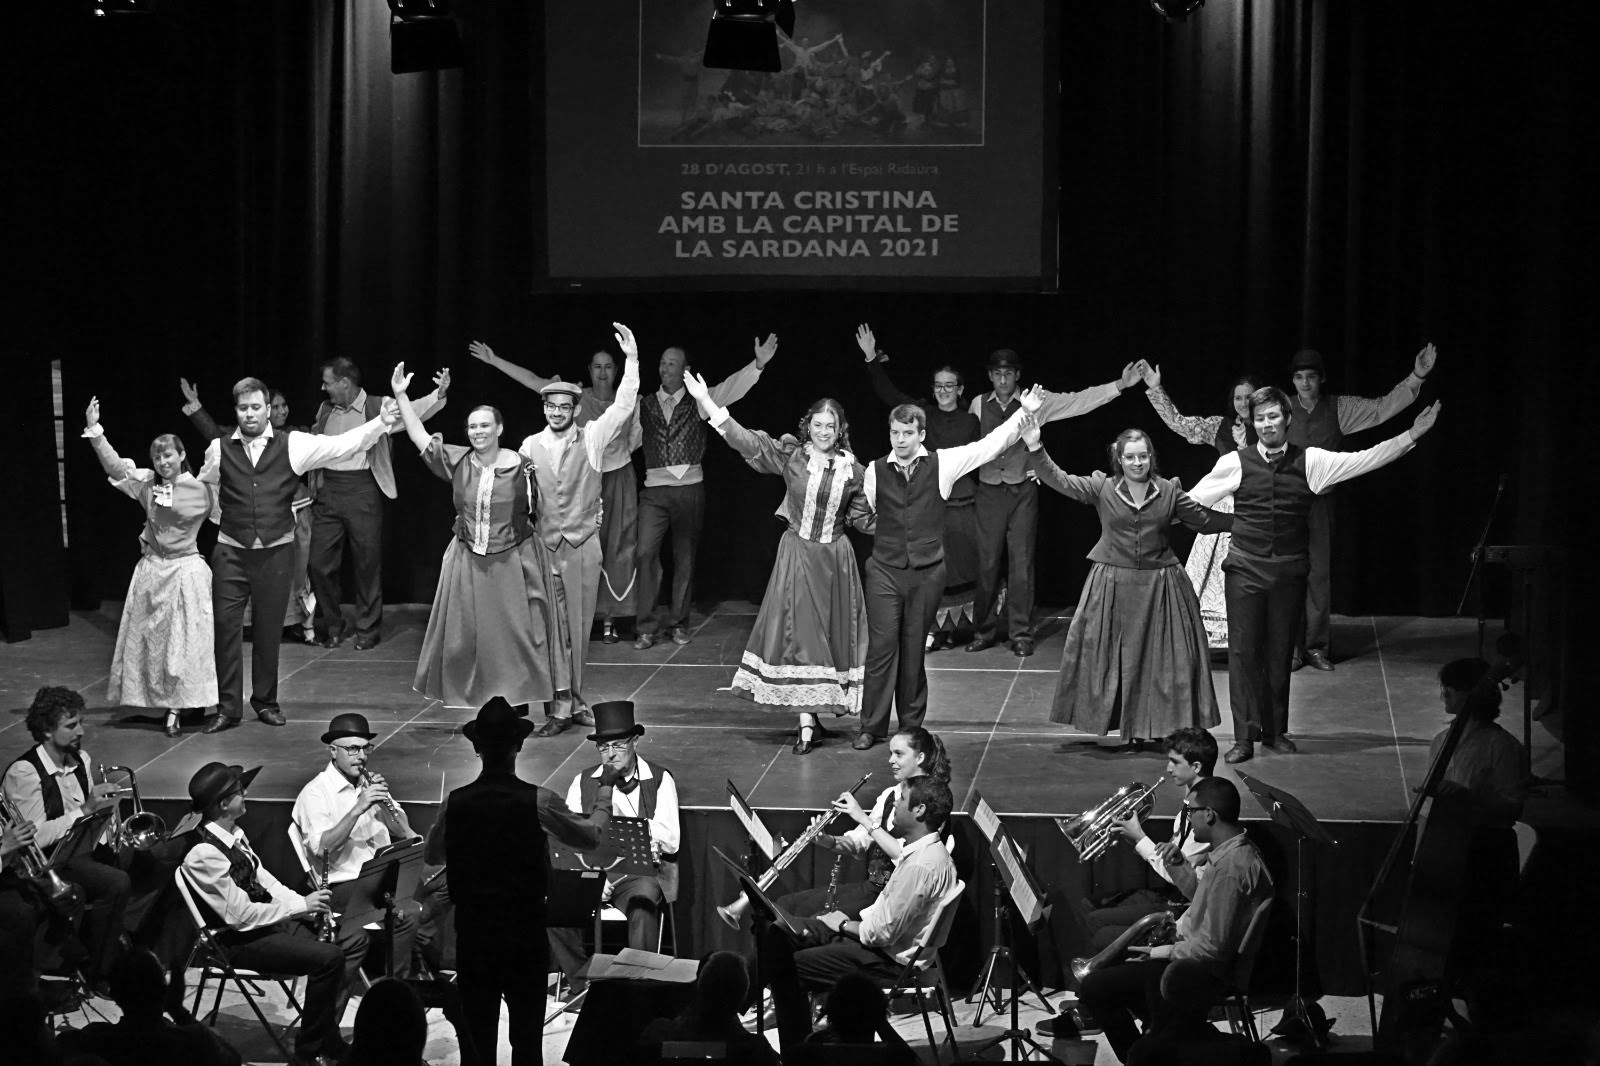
1363, 730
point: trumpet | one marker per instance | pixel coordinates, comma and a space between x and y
733, 914
1093, 832
141, 830
35, 867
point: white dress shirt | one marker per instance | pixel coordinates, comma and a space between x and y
1324, 469
22, 788
901, 919
664, 829
954, 463
207, 866
322, 803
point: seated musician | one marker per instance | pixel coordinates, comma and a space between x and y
48, 785
267, 927
343, 816
22, 909
913, 753
644, 790
890, 930
1224, 888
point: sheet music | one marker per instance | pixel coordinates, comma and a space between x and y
650, 960
753, 826
1029, 905
983, 816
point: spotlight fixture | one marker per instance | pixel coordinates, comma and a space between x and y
106, 8
1175, 10
423, 35
744, 34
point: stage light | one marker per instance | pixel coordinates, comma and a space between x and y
1175, 10
423, 35
744, 34
106, 8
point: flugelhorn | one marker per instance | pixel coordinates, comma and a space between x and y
34, 866
734, 913
141, 830
1093, 832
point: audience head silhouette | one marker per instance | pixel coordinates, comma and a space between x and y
391, 1027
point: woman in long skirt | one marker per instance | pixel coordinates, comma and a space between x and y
164, 655
1204, 565
494, 630
1135, 656
809, 646
949, 424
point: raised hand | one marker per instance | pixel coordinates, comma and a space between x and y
1130, 375
1425, 360
481, 351
1425, 420
697, 386
625, 340
441, 381
1151, 374
1031, 399
766, 349
399, 380
389, 410
190, 393
867, 342
91, 414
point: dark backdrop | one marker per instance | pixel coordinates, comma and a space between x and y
231, 188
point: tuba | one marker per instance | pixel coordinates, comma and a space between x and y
141, 830
1157, 928
1093, 832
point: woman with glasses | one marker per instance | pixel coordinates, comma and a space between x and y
809, 646
164, 655
948, 424
1226, 435
494, 630
1135, 656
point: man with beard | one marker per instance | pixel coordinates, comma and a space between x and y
257, 473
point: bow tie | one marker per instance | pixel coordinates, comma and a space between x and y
625, 787
1273, 457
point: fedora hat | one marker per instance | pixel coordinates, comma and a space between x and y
497, 721
613, 720
348, 725
1001, 358
215, 780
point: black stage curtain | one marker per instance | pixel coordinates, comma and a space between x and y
221, 189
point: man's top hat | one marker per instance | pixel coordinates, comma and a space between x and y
215, 781
348, 725
562, 388
497, 722
1308, 359
1003, 358
614, 721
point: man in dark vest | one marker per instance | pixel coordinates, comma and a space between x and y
265, 925
49, 788
491, 837
1008, 500
1273, 486
644, 790
257, 473
347, 503
1320, 419
673, 435
904, 579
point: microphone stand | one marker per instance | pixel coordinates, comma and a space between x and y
1477, 559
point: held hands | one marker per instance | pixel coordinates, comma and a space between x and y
1425, 360
1425, 420
766, 349
481, 352
389, 411
190, 393
625, 340
1031, 399
91, 414
399, 380
1151, 375
1030, 430
697, 387
846, 804
866, 342
1131, 374
441, 381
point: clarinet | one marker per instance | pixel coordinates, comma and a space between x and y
829, 900
327, 922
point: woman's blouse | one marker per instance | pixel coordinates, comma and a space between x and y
1193, 428
174, 510
494, 504
823, 492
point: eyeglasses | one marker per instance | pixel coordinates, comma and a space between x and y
940, 387
548, 406
1191, 808
613, 746
353, 749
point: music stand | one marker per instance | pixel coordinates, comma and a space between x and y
390, 875
1013, 883
1287, 810
754, 827
624, 851
81, 839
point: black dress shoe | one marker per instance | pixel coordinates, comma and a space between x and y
644, 641
1319, 660
366, 641
1281, 745
1242, 751
805, 739
270, 715
981, 642
218, 722
1022, 647
172, 728
1297, 662
553, 727
863, 741
680, 635
939, 640
328, 642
